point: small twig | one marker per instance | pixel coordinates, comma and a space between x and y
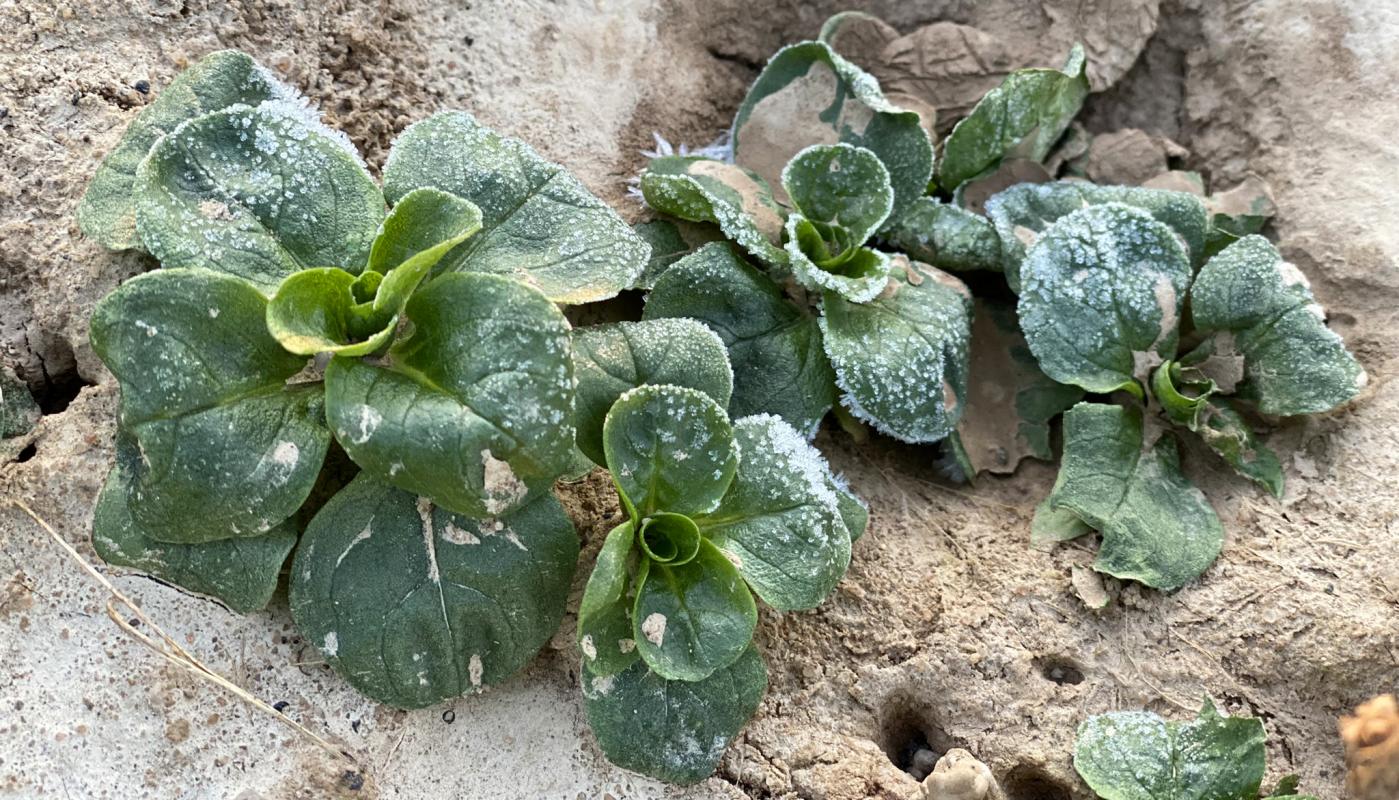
166, 646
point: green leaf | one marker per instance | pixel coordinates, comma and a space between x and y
1136, 755
702, 189
540, 225
1219, 424
204, 392
419, 232
18, 411
1022, 213
694, 618
107, 212
841, 185
1157, 528
946, 237
474, 408
604, 615
1021, 118
1287, 787
1102, 297
669, 448
240, 573
775, 348
673, 730
1010, 402
807, 95
901, 359
1056, 524
320, 311
781, 523
609, 360
257, 193
1263, 308
667, 247
858, 273
413, 605
853, 511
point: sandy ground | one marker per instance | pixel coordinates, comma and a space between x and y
948, 630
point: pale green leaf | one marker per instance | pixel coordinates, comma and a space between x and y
669, 449
413, 605
1021, 118
673, 730
107, 212
419, 232
1055, 524
1196, 406
901, 360
204, 393
1102, 295
857, 274
781, 522
328, 310
540, 225
705, 190
775, 348
241, 573
609, 360
807, 95
473, 409
1262, 307
1157, 528
854, 512
604, 614
257, 193
946, 237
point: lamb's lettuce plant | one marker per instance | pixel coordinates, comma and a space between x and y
415, 328
1137, 755
716, 512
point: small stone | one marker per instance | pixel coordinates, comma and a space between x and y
143, 86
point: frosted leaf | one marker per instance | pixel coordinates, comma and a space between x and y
781, 518
808, 95
1021, 118
604, 614
857, 274
18, 410
668, 246
705, 190
612, 359
774, 347
1157, 529
840, 185
1101, 297
416, 618
540, 225
255, 193
1293, 363
1021, 214
945, 236
241, 573
675, 731
473, 409
206, 399
225, 78
901, 360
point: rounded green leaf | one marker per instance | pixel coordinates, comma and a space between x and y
675, 731
842, 185
241, 573
809, 95
259, 193
775, 348
672, 539
668, 246
1022, 118
1262, 307
901, 359
858, 274
669, 449
413, 605
422, 227
693, 618
782, 522
946, 237
317, 311
702, 189
473, 408
1022, 213
107, 212
604, 614
205, 394
1101, 297
1218, 423
540, 225
609, 360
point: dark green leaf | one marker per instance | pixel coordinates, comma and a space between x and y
841, 185
946, 237
604, 615
667, 247
413, 605
474, 408
540, 225
694, 618
705, 190
18, 411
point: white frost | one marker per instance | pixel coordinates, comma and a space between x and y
331, 645
654, 628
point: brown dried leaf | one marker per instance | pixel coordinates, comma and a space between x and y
1012, 171
1129, 157
947, 66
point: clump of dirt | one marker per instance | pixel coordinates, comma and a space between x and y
949, 630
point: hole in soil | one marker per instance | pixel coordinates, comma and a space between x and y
1031, 783
29, 451
59, 382
1060, 670
911, 736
